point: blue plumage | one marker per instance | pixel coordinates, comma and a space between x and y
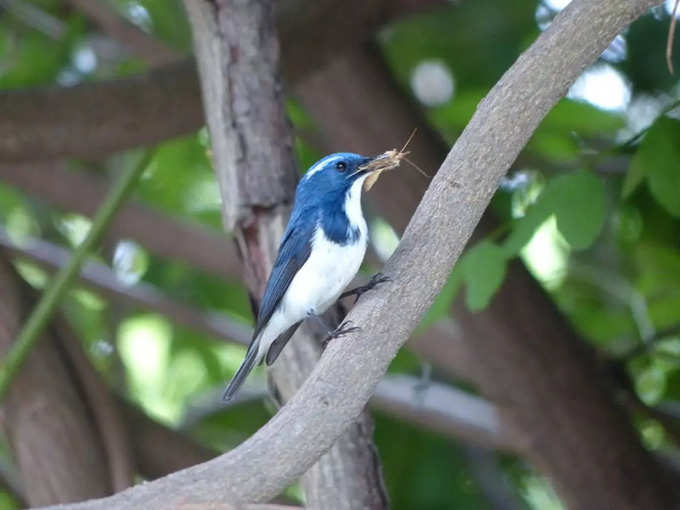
319, 254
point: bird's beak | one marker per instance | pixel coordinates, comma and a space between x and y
367, 166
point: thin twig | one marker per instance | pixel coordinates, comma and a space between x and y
671, 37
647, 345
37, 321
101, 278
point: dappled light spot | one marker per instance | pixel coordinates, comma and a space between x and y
546, 255
669, 5
85, 59
617, 51
383, 238
138, 14
641, 113
74, 227
602, 86
144, 345
432, 82
130, 261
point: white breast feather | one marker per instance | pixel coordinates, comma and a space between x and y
326, 273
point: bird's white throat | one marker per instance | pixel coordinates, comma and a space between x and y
353, 207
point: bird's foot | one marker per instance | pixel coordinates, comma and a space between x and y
375, 280
342, 330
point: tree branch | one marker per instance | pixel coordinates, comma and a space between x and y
521, 342
144, 295
35, 324
343, 380
443, 409
94, 119
139, 42
206, 249
102, 406
46, 422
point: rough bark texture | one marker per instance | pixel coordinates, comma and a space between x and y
53, 439
237, 52
348, 476
342, 381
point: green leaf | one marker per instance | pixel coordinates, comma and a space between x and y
483, 268
578, 203
659, 158
442, 303
525, 227
651, 384
636, 174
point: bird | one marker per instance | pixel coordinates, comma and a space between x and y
321, 251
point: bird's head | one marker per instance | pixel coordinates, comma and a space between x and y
334, 176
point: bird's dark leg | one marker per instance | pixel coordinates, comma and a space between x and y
343, 329
376, 280
320, 321
332, 333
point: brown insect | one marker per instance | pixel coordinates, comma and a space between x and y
388, 160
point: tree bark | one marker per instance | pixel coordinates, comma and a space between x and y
237, 53
54, 441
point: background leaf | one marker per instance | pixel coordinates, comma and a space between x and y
483, 269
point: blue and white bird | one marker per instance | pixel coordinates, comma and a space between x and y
320, 253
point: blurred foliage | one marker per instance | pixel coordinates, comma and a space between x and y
591, 206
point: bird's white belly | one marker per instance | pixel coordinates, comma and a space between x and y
328, 270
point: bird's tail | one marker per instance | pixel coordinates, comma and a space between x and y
243, 371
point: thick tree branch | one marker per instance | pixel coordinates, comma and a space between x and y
45, 419
442, 409
518, 344
95, 119
101, 405
343, 380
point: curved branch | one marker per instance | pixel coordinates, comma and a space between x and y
94, 119
345, 377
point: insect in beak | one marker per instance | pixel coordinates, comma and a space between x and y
388, 160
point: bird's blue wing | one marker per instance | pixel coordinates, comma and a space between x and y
293, 253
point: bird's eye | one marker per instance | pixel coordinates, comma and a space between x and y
341, 166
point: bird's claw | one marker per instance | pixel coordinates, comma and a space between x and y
342, 330
375, 280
